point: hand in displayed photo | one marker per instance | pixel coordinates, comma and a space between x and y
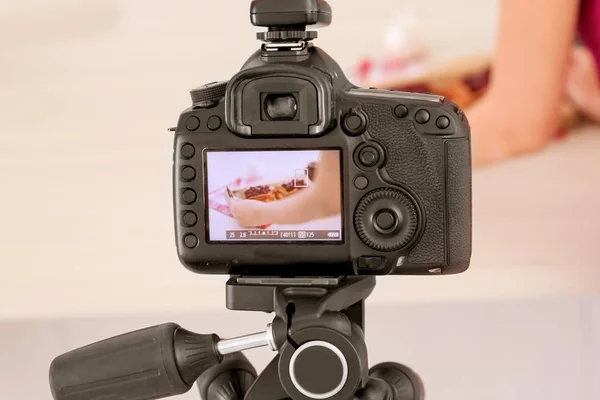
295, 202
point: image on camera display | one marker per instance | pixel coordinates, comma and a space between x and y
263, 196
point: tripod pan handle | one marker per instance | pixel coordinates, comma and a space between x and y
140, 365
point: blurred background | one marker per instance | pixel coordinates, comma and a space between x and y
87, 92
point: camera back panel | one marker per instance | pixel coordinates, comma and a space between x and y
405, 176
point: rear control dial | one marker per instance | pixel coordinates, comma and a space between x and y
386, 219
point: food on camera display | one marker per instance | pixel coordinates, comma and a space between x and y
267, 193
291, 186
256, 191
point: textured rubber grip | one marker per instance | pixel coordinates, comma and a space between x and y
138, 365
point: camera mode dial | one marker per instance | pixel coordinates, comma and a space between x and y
209, 93
386, 219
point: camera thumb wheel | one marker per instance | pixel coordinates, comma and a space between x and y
406, 383
229, 380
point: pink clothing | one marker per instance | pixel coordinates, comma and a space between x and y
589, 27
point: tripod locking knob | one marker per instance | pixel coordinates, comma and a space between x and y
324, 381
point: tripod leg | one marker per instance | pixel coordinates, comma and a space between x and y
268, 386
407, 385
375, 389
229, 380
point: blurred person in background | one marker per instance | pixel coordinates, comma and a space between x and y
540, 82
535, 67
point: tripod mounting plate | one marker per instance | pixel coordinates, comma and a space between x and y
270, 294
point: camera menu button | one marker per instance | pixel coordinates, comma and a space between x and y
190, 218
190, 241
443, 122
371, 263
361, 182
187, 151
422, 116
188, 174
189, 196
401, 111
213, 123
192, 123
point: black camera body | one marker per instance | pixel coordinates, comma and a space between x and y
404, 167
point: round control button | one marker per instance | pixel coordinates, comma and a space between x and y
401, 111
443, 122
192, 123
188, 174
214, 123
355, 122
190, 241
369, 156
190, 218
323, 382
422, 116
361, 182
188, 151
385, 220
189, 196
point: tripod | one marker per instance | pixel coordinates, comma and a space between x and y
317, 332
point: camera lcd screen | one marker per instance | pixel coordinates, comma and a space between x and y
274, 196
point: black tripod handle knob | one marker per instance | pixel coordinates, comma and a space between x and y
151, 363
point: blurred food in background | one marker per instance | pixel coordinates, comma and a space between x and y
408, 65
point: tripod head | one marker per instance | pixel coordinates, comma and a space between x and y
287, 20
317, 332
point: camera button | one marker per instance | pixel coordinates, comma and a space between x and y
188, 174
401, 111
385, 220
443, 122
189, 196
422, 116
187, 151
369, 156
355, 122
371, 262
192, 123
190, 241
214, 123
190, 218
361, 182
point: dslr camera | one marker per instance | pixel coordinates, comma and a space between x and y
289, 170
303, 187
